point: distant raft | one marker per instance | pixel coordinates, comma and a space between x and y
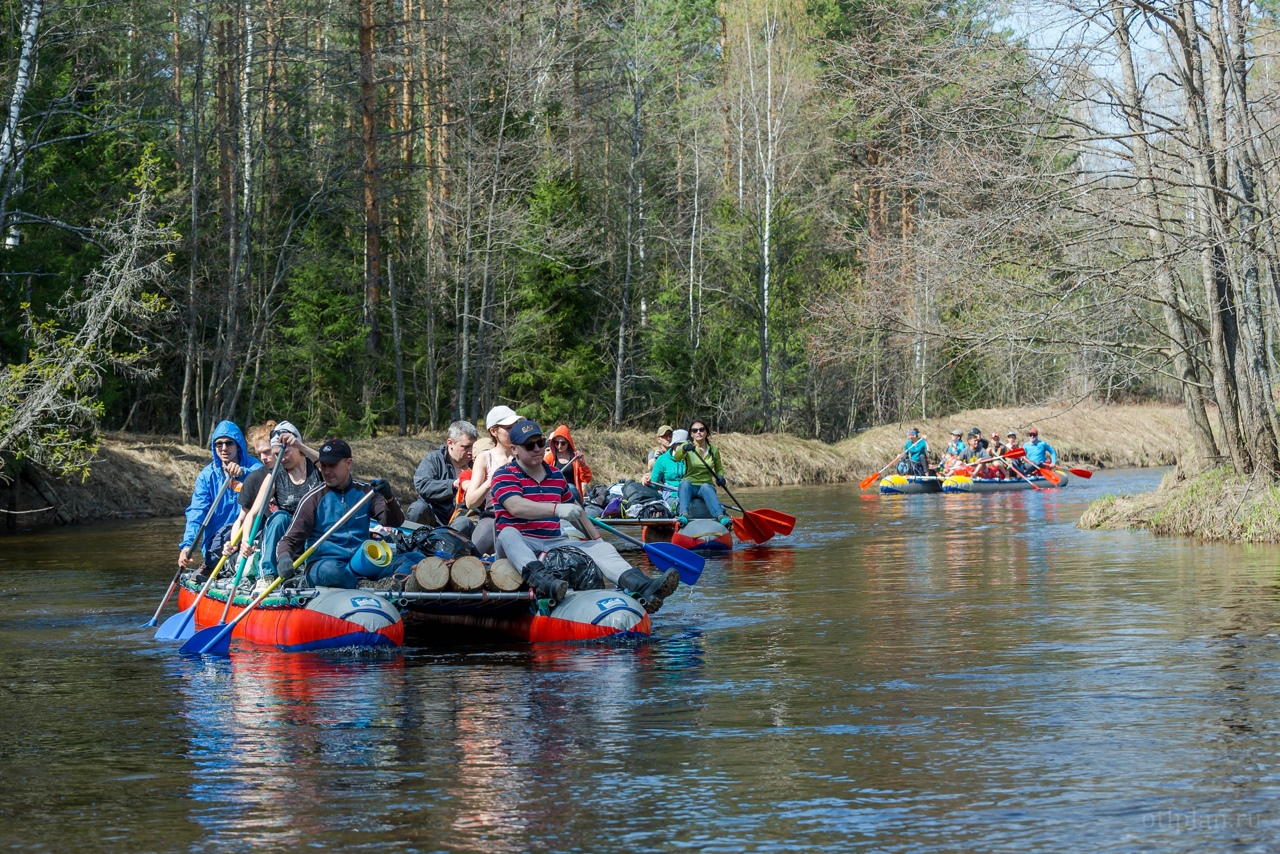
898, 484
303, 621
963, 483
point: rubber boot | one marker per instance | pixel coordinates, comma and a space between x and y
649, 591
547, 586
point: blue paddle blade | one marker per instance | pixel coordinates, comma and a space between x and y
178, 627
149, 624
668, 555
215, 640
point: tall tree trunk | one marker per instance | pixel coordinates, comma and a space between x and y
1162, 247
21, 82
372, 222
634, 250
395, 340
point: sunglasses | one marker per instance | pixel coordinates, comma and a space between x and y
224, 443
534, 445
698, 430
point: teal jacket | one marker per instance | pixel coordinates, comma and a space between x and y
667, 470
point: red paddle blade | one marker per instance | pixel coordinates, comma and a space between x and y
1084, 473
745, 530
766, 519
1015, 454
870, 479
1050, 475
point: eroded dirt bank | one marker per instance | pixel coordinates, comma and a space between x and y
142, 476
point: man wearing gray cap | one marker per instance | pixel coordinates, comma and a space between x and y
530, 499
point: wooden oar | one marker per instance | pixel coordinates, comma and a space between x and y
195, 543
216, 640
757, 527
253, 534
665, 555
872, 478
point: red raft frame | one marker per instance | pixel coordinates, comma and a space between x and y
291, 628
671, 534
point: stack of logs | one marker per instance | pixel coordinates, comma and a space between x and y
466, 574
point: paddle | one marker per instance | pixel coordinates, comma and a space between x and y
195, 543
665, 555
1050, 475
215, 640
1018, 453
757, 527
179, 626
1084, 473
253, 534
872, 478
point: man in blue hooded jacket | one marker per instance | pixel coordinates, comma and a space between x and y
230, 459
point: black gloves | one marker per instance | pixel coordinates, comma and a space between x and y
383, 488
688, 447
720, 481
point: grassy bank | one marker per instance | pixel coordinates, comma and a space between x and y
141, 476
1214, 505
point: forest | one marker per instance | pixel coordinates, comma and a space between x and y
803, 216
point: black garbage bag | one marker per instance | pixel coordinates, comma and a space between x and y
445, 543
572, 564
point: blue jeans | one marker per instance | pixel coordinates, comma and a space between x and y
272, 533
332, 572
705, 491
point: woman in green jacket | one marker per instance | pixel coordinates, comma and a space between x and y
702, 473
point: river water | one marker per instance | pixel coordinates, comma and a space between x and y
902, 674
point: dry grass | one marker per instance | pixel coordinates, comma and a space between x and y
139, 476
1214, 505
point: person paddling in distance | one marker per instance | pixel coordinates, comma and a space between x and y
915, 454
530, 499
568, 460
498, 422
667, 471
955, 451
439, 477
664, 445
297, 477
321, 509
1038, 451
700, 473
231, 459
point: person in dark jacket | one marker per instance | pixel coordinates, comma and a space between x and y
230, 460
439, 477
321, 509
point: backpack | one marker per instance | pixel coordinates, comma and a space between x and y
598, 495
573, 565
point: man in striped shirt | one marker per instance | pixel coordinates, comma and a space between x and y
530, 499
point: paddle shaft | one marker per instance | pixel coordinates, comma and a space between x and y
253, 534
336, 525
869, 480
224, 631
617, 533
714, 475
1037, 487
195, 541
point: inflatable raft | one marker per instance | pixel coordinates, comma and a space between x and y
963, 483
898, 484
303, 621
583, 615
698, 535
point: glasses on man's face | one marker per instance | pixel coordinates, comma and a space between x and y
224, 443
534, 445
698, 430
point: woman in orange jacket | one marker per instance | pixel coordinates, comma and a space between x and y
563, 456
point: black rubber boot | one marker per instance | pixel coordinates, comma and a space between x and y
549, 587
649, 591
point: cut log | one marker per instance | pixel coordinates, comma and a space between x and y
467, 574
504, 577
431, 574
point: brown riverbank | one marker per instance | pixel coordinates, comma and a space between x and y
1214, 505
141, 476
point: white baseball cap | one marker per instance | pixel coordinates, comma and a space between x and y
285, 427
500, 416
680, 436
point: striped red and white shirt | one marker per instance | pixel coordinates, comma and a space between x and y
512, 480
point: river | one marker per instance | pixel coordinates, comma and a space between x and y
902, 674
